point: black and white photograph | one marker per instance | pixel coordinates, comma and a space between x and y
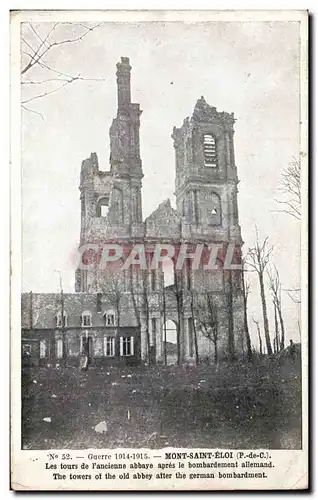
163, 204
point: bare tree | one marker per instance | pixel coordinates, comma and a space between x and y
145, 306
276, 337
229, 308
207, 316
139, 289
164, 324
62, 312
290, 187
41, 48
259, 336
31, 313
258, 259
275, 288
246, 291
134, 294
195, 335
178, 290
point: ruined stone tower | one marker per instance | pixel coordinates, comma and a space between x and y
206, 175
206, 197
206, 213
125, 162
111, 204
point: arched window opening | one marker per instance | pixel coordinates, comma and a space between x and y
102, 207
209, 150
170, 343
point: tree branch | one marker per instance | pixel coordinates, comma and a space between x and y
32, 111
38, 56
291, 185
39, 49
291, 291
66, 82
46, 93
294, 208
36, 51
36, 33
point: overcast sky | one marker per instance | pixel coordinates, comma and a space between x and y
249, 68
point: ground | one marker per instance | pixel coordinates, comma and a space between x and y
240, 405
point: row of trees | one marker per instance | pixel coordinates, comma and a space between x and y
258, 260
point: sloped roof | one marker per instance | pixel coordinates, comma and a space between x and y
45, 307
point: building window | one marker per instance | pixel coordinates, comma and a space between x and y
42, 349
102, 207
27, 349
103, 210
126, 346
59, 348
209, 150
86, 319
109, 346
59, 320
110, 318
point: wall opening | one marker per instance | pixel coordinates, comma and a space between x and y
209, 150
171, 342
168, 272
102, 207
213, 209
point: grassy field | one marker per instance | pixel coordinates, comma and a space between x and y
231, 406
